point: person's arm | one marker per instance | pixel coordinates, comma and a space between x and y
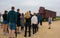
8, 17
37, 19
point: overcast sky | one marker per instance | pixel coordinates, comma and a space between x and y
32, 5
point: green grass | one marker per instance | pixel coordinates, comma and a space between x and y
57, 18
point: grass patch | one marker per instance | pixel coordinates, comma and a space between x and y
57, 18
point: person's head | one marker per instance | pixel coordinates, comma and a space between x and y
13, 8
35, 14
18, 10
29, 11
27, 14
5, 12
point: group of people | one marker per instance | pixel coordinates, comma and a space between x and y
12, 21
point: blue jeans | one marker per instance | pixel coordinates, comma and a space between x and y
5, 21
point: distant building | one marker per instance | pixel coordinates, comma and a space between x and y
45, 13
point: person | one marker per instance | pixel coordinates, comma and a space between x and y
12, 19
18, 21
27, 24
30, 13
22, 21
49, 21
39, 18
5, 23
30, 16
34, 23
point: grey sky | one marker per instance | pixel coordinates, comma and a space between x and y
32, 5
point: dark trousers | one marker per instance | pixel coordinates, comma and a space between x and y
35, 28
29, 30
40, 22
22, 28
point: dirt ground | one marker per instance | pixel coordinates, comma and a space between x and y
43, 32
